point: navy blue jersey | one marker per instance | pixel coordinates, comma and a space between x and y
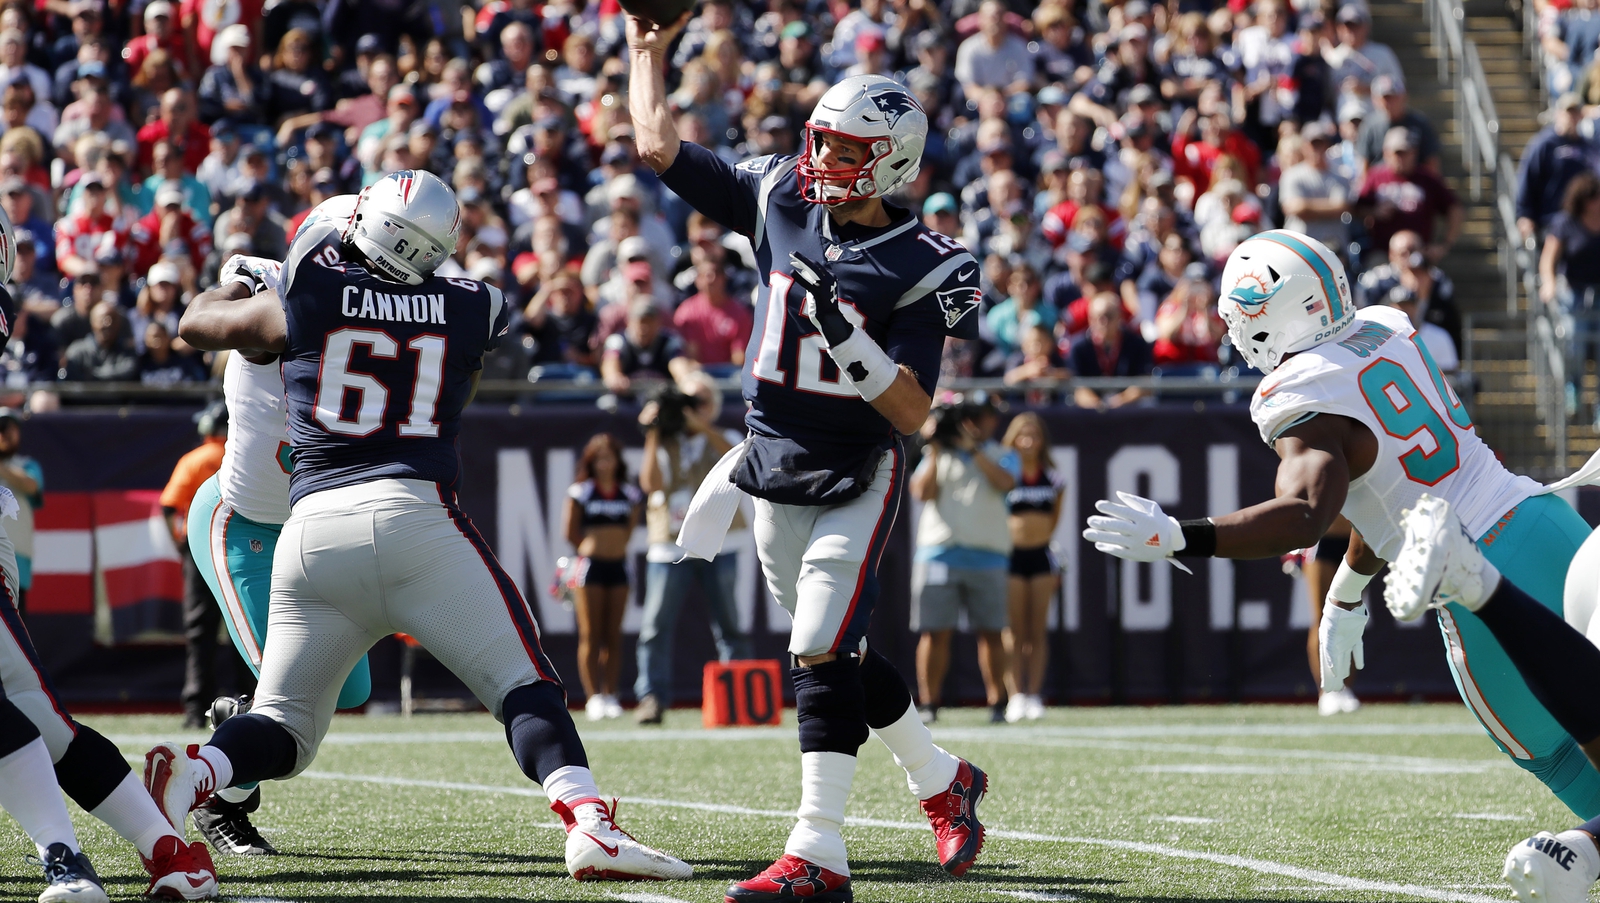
376, 373
905, 284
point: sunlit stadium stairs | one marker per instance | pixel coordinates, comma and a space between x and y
1504, 407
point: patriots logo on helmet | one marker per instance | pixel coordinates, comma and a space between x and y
957, 302
1253, 298
407, 180
894, 104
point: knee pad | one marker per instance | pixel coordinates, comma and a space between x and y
540, 730
887, 697
832, 707
16, 729
91, 768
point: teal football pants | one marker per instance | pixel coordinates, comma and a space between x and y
1532, 546
234, 555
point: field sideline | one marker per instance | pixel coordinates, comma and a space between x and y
1216, 803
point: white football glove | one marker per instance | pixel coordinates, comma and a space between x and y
1339, 641
256, 273
1135, 530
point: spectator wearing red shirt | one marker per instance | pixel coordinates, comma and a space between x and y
165, 228
177, 124
80, 235
1085, 188
1193, 157
715, 327
1188, 330
1398, 195
159, 31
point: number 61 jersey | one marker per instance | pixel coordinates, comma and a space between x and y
1381, 375
376, 373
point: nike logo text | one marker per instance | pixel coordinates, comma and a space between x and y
1556, 850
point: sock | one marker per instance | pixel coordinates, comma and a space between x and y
929, 769
824, 786
238, 793
541, 733
131, 812
1591, 827
28, 791
569, 784
250, 747
1558, 663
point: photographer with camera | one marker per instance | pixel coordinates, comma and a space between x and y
963, 548
681, 444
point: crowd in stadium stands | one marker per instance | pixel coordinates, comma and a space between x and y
1100, 158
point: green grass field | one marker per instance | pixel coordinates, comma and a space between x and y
1171, 804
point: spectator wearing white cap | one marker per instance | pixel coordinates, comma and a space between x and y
994, 57
160, 32
635, 271
159, 301
1357, 60
231, 88
626, 192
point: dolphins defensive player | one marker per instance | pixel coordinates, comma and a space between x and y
1364, 423
234, 525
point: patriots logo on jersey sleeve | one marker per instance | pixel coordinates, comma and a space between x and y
957, 302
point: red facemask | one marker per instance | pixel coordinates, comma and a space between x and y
836, 186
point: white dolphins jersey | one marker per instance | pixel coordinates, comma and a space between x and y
1379, 374
254, 478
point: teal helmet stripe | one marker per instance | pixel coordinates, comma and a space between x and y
1330, 285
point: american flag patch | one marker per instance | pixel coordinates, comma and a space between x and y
391, 228
1315, 305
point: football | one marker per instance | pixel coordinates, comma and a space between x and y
661, 12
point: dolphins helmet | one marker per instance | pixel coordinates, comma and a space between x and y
1282, 292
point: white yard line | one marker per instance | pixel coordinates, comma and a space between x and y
1035, 894
1184, 819
635, 897
1262, 866
1489, 816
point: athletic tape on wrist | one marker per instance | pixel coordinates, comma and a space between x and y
244, 278
864, 365
1348, 583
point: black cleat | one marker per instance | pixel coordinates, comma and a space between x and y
69, 876
225, 707
226, 826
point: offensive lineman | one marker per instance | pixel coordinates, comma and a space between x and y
379, 359
234, 524
43, 751
1365, 424
855, 302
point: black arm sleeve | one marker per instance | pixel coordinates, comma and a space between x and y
728, 194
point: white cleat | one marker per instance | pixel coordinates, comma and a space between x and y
1016, 708
1553, 868
179, 780
1438, 563
595, 708
598, 850
613, 707
1034, 710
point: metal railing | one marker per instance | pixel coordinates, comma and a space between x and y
1479, 125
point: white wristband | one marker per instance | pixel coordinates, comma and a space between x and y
244, 278
1348, 583
861, 353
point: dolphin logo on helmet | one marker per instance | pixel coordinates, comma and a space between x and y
1283, 292
1254, 298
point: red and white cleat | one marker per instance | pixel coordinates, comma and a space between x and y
598, 850
954, 814
180, 871
179, 780
792, 878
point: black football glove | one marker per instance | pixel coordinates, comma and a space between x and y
822, 292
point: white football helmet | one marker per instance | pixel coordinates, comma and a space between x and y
878, 112
406, 224
1283, 292
337, 210
8, 247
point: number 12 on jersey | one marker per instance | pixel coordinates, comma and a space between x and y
337, 380
808, 358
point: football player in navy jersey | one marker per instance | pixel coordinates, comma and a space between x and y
855, 302
379, 358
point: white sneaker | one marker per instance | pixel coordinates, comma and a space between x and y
1327, 704
1338, 702
1034, 710
1553, 868
613, 707
595, 708
179, 780
1438, 563
1016, 708
1348, 702
598, 850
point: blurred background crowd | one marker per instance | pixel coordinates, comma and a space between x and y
1101, 159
